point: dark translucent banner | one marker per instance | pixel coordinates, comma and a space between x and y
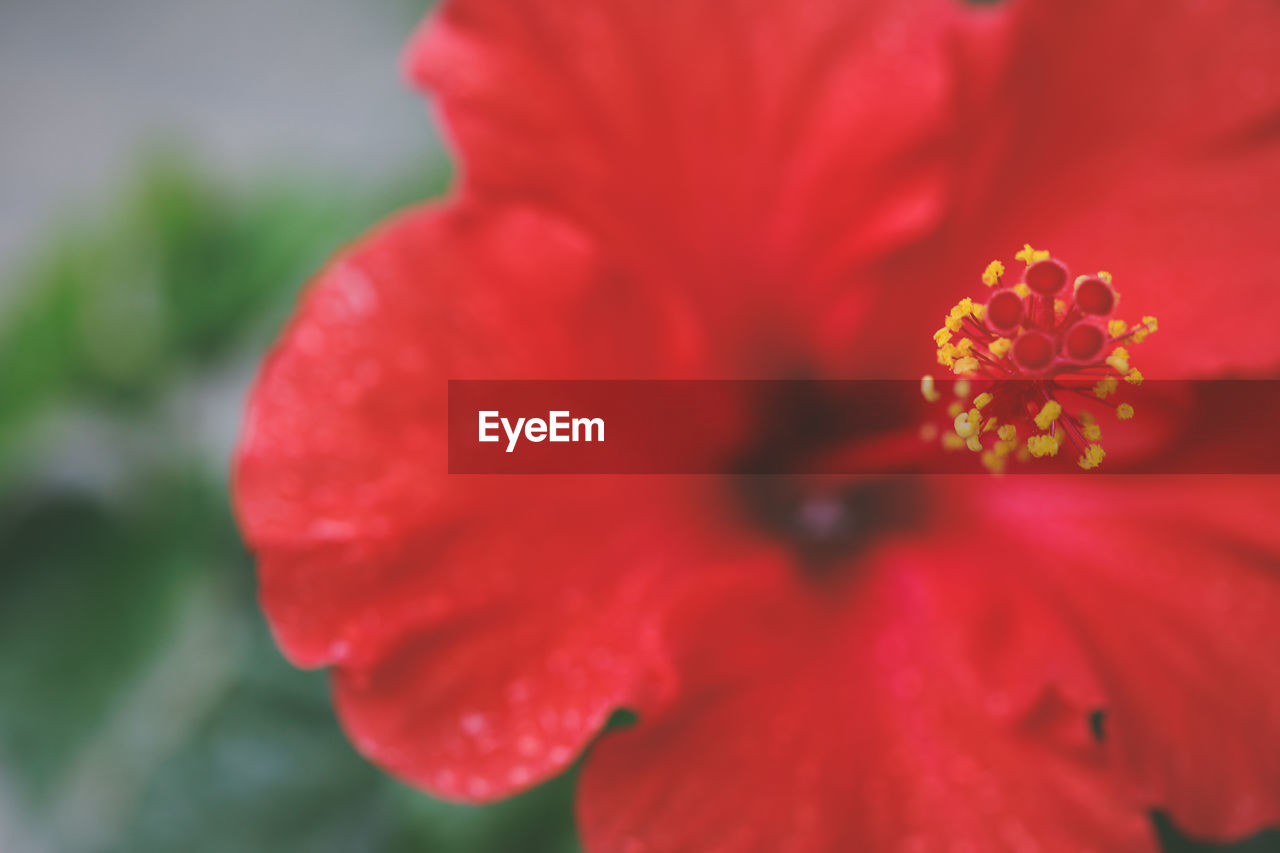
863, 427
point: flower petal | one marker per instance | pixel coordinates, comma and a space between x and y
350, 408
1174, 588
750, 152
486, 665
481, 628
340, 481
856, 727
345, 434
1141, 141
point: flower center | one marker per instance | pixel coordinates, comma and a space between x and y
826, 522
824, 519
1040, 359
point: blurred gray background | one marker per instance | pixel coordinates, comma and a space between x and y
247, 85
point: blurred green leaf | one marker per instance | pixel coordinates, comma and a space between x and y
181, 273
539, 821
267, 770
88, 597
271, 770
1174, 841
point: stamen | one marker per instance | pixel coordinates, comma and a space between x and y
1048, 414
993, 273
1092, 457
1028, 349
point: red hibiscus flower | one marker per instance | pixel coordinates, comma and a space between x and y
733, 188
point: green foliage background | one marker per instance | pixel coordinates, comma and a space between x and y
143, 706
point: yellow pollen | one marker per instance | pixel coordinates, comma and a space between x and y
1116, 328
951, 441
1091, 431
942, 336
968, 364
952, 322
1134, 377
993, 462
1105, 386
964, 346
973, 443
1042, 445
993, 273
962, 388
989, 425
1140, 334
1059, 308
1008, 432
955, 409
1048, 414
1124, 411
979, 311
1021, 289
1030, 255
1150, 323
1093, 455
1000, 347
963, 308
1119, 359
982, 400
1105, 276
927, 389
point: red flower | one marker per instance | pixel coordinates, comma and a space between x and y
765, 189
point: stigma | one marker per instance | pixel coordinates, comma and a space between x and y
1037, 363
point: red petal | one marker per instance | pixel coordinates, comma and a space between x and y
345, 434
349, 410
1173, 587
1142, 141
555, 620
738, 150
807, 725
372, 560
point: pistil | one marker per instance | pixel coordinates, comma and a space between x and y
1039, 355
